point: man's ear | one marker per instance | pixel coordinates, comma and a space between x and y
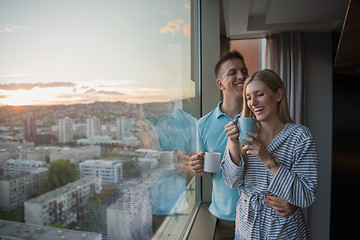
219, 84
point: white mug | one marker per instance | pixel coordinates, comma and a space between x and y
167, 160
212, 162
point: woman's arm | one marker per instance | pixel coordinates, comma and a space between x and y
233, 174
232, 164
233, 144
298, 184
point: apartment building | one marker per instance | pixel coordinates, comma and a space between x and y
66, 204
97, 140
29, 127
79, 130
110, 171
15, 230
17, 166
15, 190
93, 127
4, 156
124, 127
17, 150
75, 155
66, 131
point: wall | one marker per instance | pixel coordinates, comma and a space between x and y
210, 54
249, 48
318, 117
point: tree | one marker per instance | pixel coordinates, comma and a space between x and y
16, 215
107, 193
60, 173
47, 157
56, 225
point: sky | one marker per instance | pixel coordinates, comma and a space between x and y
82, 51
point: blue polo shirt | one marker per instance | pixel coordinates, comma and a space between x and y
176, 130
212, 138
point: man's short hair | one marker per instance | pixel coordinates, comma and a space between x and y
234, 54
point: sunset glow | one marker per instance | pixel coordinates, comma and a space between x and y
54, 96
35, 96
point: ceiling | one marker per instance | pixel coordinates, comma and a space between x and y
255, 18
241, 19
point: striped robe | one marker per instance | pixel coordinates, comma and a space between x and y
295, 181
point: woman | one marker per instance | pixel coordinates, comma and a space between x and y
281, 161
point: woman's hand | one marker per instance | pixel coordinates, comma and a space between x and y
232, 130
282, 207
233, 144
257, 148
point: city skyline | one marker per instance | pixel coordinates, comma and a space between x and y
85, 51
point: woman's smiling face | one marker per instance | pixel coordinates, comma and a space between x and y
262, 101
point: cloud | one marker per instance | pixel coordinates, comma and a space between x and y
90, 91
3, 96
103, 92
187, 29
90, 95
110, 92
13, 28
187, 6
29, 86
172, 26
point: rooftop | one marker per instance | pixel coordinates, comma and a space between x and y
23, 174
101, 162
15, 230
64, 189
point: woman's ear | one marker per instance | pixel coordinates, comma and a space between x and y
279, 94
219, 84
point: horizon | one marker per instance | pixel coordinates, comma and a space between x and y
49, 105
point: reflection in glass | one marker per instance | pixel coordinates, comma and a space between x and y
97, 118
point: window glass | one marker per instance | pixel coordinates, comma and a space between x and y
98, 109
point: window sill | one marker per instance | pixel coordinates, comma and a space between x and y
204, 225
176, 226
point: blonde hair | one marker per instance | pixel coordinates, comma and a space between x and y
274, 82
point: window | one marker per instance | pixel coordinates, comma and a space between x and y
105, 93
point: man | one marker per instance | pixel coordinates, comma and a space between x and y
231, 73
176, 136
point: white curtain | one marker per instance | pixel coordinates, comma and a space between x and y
284, 55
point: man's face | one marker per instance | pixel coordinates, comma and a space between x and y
231, 77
